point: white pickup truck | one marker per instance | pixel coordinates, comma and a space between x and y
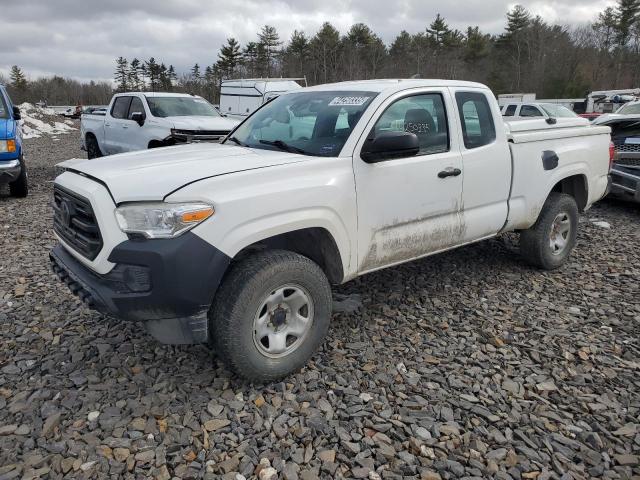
142, 120
238, 243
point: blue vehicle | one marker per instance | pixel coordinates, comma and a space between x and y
12, 166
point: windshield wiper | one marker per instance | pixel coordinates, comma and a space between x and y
236, 141
284, 146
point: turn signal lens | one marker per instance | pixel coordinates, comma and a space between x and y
197, 215
11, 146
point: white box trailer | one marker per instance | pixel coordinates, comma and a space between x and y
505, 98
241, 97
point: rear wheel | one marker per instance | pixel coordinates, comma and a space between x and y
549, 242
270, 315
20, 187
93, 149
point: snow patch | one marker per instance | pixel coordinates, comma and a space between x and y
38, 121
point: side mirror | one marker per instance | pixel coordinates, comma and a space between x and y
551, 121
16, 113
138, 117
388, 145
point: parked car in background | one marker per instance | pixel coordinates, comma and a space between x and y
238, 243
95, 110
72, 112
625, 134
240, 98
13, 169
527, 111
142, 120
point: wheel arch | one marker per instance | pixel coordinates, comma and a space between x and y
576, 186
315, 243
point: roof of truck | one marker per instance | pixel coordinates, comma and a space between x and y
158, 94
396, 84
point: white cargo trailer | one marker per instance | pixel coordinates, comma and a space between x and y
241, 97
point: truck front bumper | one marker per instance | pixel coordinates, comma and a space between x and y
10, 170
625, 182
168, 285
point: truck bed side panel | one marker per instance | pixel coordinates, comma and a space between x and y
581, 151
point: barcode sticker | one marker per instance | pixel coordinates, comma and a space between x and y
348, 101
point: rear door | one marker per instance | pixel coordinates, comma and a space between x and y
410, 207
113, 125
486, 160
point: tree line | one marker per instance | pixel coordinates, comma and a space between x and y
530, 55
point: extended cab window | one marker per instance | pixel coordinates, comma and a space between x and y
476, 118
120, 107
530, 111
136, 107
423, 115
510, 111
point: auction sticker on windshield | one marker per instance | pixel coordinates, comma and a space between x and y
348, 101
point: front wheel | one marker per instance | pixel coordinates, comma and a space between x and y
93, 149
270, 315
549, 242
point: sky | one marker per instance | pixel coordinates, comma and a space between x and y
81, 38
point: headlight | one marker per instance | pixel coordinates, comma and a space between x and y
7, 146
161, 220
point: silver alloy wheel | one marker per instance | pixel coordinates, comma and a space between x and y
560, 233
283, 321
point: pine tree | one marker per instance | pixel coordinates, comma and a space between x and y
299, 49
121, 75
626, 15
153, 74
18, 80
269, 40
518, 18
436, 34
229, 57
133, 75
195, 72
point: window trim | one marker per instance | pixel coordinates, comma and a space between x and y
375, 119
463, 126
114, 106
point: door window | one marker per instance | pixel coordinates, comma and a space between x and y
120, 107
530, 111
422, 115
136, 107
476, 118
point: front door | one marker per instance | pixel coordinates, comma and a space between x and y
410, 207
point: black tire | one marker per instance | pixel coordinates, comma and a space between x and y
535, 242
93, 149
20, 187
244, 290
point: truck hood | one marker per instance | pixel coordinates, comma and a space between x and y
203, 123
615, 118
154, 174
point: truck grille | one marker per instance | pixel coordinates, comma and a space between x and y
199, 135
628, 147
76, 223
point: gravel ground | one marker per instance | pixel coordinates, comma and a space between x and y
468, 364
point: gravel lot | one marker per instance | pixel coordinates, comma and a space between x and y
468, 364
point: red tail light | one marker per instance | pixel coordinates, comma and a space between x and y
612, 154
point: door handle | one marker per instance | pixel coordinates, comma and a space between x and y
125, 126
107, 124
449, 172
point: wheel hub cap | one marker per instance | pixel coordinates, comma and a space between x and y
283, 320
560, 233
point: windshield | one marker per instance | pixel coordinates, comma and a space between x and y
180, 107
4, 110
558, 111
633, 109
312, 123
